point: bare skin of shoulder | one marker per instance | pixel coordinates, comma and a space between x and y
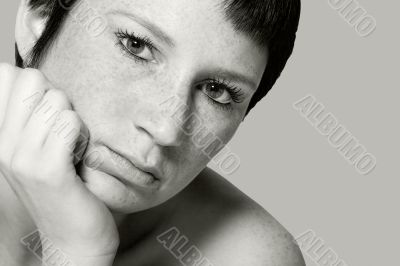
209, 223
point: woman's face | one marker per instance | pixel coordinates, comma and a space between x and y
123, 82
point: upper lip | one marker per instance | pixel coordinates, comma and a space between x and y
153, 170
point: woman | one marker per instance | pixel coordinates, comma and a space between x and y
96, 157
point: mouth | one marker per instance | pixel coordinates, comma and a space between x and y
129, 173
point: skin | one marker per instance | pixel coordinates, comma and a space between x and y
118, 102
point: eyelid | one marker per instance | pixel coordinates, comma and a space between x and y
155, 31
236, 93
223, 107
130, 35
225, 95
120, 34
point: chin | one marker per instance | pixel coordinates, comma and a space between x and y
117, 196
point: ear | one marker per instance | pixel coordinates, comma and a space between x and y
28, 29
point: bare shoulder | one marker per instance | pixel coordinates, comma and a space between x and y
229, 228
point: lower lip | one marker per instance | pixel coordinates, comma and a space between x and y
127, 173
109, 189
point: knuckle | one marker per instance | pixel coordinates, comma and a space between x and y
34, 77
70, 116
6, 69
69, 121
20, 165
33, 73
58, 98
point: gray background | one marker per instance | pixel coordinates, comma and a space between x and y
289, 168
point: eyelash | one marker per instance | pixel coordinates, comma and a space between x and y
131, 36
235, 92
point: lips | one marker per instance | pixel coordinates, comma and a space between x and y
126, 171
153, 170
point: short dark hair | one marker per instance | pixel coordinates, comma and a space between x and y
270, 23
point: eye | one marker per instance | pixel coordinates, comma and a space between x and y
217, 93
139, 47
220, 92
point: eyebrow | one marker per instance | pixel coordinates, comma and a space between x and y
156, 30
236, 76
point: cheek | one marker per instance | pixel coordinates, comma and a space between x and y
209, 137
222, 125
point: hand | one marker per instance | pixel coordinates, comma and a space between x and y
39, 133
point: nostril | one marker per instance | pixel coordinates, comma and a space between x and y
160, 127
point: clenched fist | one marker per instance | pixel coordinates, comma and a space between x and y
41, 138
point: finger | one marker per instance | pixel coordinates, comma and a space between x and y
44, 116
8, 75
28, 91
68, 138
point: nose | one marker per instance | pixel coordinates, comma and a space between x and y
163, 124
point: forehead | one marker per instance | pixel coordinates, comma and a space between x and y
174, 14
199, 30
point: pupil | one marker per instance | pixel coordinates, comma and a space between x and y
214, 90
135, 45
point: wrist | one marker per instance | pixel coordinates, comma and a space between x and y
105, 260
54, 256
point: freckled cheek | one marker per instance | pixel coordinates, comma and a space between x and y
201, 144
133, 83
101, 87
222, 125
141, 84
